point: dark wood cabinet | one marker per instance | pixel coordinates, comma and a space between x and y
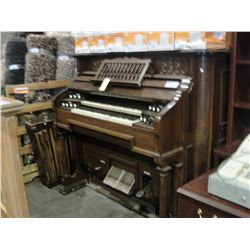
195, 202
239, 95
238, 120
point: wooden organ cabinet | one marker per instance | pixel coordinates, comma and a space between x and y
152, 129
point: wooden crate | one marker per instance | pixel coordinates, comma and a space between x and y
31, 171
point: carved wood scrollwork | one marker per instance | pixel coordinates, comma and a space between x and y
171, 65
96, 64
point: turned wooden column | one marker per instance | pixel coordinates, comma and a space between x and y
13, 196
164, 191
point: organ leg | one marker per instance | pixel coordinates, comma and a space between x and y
177, 182
164, 191
78, 178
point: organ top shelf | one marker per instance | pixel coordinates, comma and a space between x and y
205, 51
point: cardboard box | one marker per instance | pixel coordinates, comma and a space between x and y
116, 42
98, 43
81, 43
218, 40
202, 40
135, 41
189, 40
161, 40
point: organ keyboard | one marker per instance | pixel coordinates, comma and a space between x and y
99, 105
103, 116
130, 136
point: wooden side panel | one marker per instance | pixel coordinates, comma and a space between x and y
11, 176
172, 129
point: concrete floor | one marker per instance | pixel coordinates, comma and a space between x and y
83, 203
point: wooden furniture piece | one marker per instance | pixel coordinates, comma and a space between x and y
30, 171
162, 155
13, 196
195, 202
238, 120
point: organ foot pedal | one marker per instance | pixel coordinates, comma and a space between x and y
72, 183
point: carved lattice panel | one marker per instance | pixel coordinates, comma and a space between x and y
171, 65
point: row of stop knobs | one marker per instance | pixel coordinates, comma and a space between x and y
69, 105
155, 107
75, 96
147, 119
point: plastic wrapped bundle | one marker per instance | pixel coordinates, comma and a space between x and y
66, 45
40, 60
40, 67
57, 33
15, 76
42, 42
66, 64
15, 60
65, 68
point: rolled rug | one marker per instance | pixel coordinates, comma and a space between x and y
14, 76
15, 51
65, 68
66, 64
66, 45
14, 60
42, 42
40, 60
40, 68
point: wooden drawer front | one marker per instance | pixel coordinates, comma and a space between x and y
189, 208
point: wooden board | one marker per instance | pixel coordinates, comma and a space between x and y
30, 177
35, 107
10, 89
30, 169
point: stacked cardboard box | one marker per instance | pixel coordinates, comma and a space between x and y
202, 40
102, 42
82, 42
162, 40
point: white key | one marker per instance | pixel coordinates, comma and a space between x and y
104, 117
120, 109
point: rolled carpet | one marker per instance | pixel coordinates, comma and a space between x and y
40, 68
14, 60
14, 76
40, 60
66, 64
66, 45
65, 68
42, 42
15, 51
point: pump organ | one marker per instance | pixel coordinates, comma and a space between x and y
134, 135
